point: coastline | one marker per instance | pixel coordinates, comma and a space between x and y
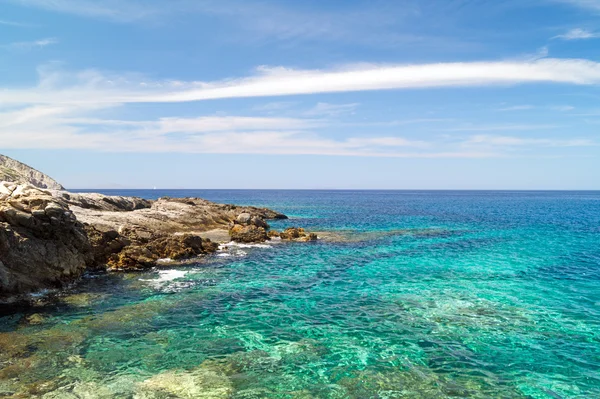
50, 238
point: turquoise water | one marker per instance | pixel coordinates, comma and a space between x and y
414, 295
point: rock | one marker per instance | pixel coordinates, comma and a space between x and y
132, 252
202, 383
33, 319
309, 237
297, 233
17, 172
168, 215
244, 218
292, 233
100, 202
41, 243
248, 234
259, 222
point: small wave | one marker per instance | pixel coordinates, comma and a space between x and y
167, 275
240, 245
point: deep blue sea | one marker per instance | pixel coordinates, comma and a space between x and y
410, 294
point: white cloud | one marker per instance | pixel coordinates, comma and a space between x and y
117, 10
14, 23
503, 127
33, 44
327, 109
578, 34
56, 127
511, 141
91, 86
517, 108
562, 108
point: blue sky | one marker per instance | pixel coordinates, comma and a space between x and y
456, 94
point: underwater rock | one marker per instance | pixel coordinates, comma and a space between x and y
201, 383
82, 300
297, 233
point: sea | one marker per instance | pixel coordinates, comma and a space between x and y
408, 294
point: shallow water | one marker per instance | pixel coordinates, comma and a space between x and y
416, 295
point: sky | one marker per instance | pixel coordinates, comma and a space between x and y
283, 94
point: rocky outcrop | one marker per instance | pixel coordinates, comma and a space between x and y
17, 172
50, 237
129, 251
297, 234
100, 202
165, 215
42, 245
248, 234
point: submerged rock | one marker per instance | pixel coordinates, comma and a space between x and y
297, 233
201, 383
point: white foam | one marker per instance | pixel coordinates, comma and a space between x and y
240, 245
169, 275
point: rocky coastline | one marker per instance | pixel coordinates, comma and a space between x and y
50, 237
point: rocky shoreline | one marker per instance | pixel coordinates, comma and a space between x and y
50, 238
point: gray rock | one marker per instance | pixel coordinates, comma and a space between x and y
17, 172
36, 254
259, 222
244, 218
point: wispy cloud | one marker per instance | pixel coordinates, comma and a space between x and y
593, 5
14, 23
516, 108
116, 10
512, 141
561, 108
32, 44
578, 34
52, 127
327, 109
94, 87
500, 128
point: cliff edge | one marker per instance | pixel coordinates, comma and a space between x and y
17, 172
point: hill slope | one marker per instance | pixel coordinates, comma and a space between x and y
17, 172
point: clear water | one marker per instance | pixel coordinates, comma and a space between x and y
417, 295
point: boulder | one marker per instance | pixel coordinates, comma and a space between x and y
244, 218
259, 222
248, 234
41, 243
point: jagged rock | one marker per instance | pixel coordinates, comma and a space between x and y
171, 215
17, 172
41, 243
100, 202
248, 234
259, 222
297, 233
133, 252
292, 233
